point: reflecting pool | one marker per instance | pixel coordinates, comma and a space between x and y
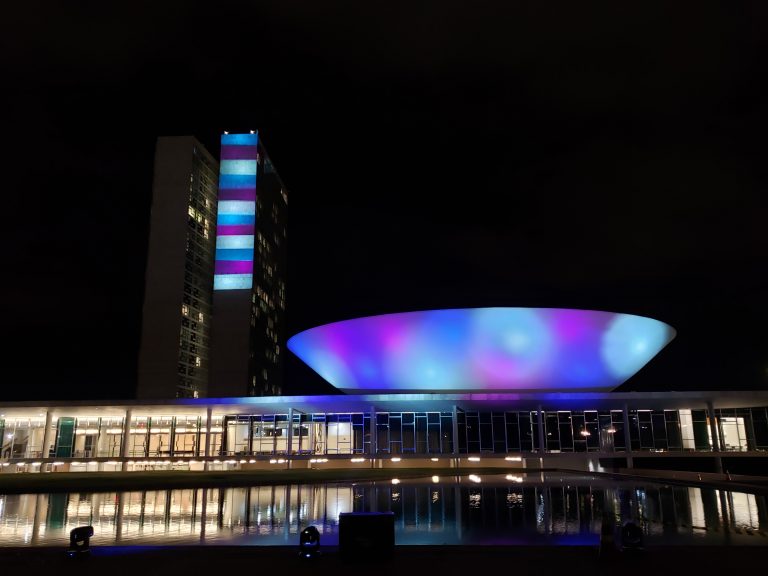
502, 509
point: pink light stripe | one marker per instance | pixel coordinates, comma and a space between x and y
238, 194
234, 267
235, 230
229, 152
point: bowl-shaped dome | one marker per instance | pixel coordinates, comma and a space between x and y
482, 349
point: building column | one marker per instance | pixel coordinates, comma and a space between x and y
627, 436
46, 447
36, 520
455, 430
204, 507
715, 433
172, 437
119, 521
455, 436
713, 426
546, 493
208, 426
126, 439
457, 500
542, 443
289, 448
287, 517
373, 431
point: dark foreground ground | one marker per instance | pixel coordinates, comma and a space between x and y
433, 561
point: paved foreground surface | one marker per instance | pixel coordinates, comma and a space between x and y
574, 560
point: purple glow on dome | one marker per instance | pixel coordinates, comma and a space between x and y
492, 349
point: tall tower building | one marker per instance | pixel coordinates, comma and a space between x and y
250, 272
174, 354
214, 304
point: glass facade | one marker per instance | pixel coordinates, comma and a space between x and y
414, 433
310, 434
22, 437
166, 436
195, 330
384, 433
267, 333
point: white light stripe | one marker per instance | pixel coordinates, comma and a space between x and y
237, 207
227, 242
238, 167
232, 281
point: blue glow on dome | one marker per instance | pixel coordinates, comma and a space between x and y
483, 349
628, 341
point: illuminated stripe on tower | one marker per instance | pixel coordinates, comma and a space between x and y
236, 222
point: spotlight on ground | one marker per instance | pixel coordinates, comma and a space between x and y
309, 542
80, 542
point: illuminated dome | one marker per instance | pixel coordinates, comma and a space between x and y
482, 350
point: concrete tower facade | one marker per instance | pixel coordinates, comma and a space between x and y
250, 272
174, 354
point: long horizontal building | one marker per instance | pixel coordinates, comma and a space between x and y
586, 429
493, 384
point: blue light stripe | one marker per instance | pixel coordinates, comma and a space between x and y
234, 242
232, 281
237, 207
239, 139
237, 181
238, 167
234, 254
235, 219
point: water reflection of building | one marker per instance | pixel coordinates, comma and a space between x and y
241, 433
425, 512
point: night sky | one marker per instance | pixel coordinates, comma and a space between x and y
437, 154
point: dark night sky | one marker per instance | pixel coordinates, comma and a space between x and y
438, 154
